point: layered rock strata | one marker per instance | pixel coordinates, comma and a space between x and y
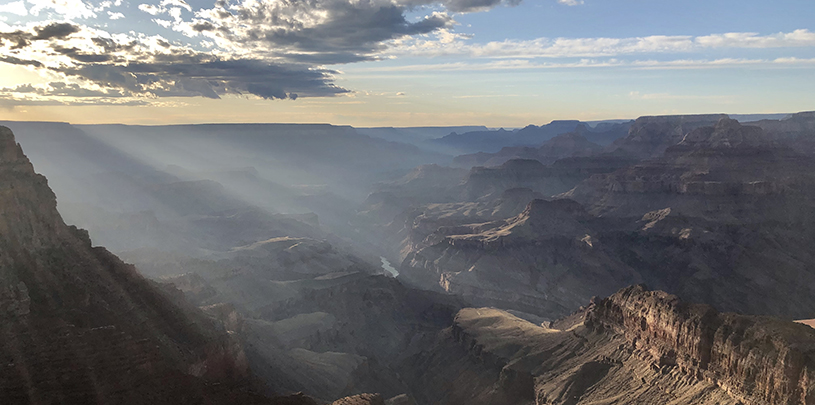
635, 347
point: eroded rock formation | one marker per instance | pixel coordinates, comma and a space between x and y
635, 347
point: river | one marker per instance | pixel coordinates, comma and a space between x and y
386, 265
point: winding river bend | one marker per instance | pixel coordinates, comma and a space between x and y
386, 265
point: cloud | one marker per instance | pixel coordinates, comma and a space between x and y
19, 39
526, 64
151, 9
17, 61
133, 66
571, 2
16, 7
600, 47
796, 38
64, 90
9, 102
71, 9
673, 97
196, 76
265, 48
318, 31
315, 31
469, 6
176, 3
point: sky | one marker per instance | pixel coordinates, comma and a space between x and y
500, 63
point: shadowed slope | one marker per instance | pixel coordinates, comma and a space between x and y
80, 326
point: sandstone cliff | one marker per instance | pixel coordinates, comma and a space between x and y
754, 359
635, 347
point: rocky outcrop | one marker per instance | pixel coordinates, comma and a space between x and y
634, 347
490, 182
420, 224
556, 255
726, 172
547, 260
649, 137
755, 360
796, 131
361, 399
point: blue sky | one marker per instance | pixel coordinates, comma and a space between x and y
401, 62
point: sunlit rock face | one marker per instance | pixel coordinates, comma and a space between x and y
754, 359
635, 347
80, 326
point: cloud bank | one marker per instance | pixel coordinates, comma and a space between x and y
279, 49
265, 48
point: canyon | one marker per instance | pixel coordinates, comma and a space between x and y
265, 278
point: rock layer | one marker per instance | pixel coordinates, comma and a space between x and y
757, 360
635, 347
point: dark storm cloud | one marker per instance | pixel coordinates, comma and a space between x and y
55, 30
129, 67
345, 32
270, 49
21, 39
349, 32
204, 26
211, 79
109, 45
17, 61
76, 54
468, 6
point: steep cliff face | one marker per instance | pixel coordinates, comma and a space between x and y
547, 260
756, 360
649, 137
485, 183
554, 256
562, 146
726, 172
635, 347
79, 326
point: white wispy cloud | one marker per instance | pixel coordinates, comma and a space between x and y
599, 47
70, 9
526, 64
571, 2
636, 95
15, 7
